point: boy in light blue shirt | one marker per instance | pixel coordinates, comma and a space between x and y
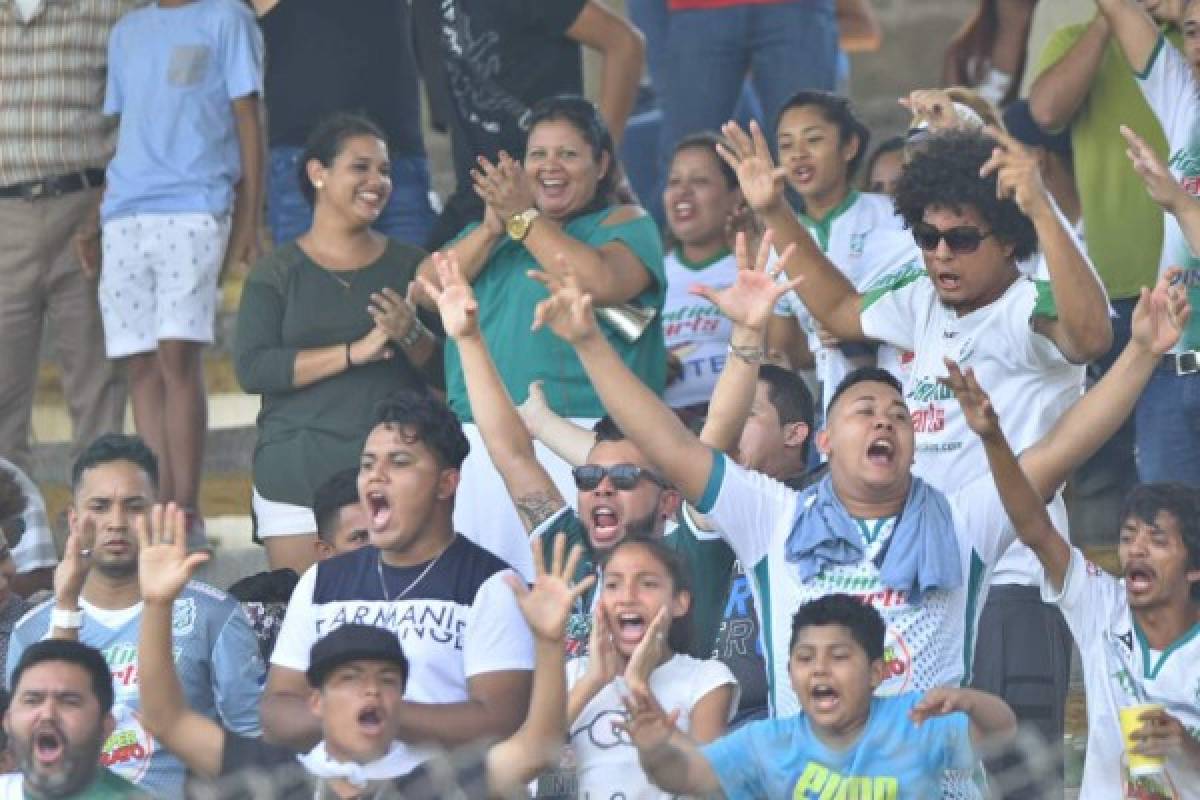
846, 743
181, 200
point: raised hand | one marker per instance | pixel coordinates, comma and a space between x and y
548, 604
455, 300
648, 725
1160, 184
72, 570
164, 565
976, 405
503, 186
650, 652
568, 309
375, 346
934, 107
603, 663
938, 703
1017, 174
750, 300
395, 314
1161, 315
749, 156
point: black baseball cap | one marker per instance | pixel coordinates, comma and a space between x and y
353, 642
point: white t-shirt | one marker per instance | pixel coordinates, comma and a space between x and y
928, 645
1171, 90
458, 621
606, 761
1029, 380
866, 240
1119, 669
694, 330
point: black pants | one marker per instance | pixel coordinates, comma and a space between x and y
1023, 654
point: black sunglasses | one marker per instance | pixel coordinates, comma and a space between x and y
624, 477
963, 239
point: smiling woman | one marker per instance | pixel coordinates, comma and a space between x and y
324, 332
555, 212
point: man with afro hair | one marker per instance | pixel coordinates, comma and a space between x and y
977, 208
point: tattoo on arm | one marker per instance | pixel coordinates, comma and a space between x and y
537, 507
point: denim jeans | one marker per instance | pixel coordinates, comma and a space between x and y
407, 217
784, 47
1168, 428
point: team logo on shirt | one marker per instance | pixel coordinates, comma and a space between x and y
183, 616
1189, 167
819, 782
858, 244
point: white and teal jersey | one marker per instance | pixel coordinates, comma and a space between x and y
1030, 381
1120, 669
866, 240
1172, 91
695, 331
928, 644
216, 656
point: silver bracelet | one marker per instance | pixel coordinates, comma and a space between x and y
752, 355
413, 335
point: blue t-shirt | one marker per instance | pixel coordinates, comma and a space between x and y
173, 74
892, 760
217, 659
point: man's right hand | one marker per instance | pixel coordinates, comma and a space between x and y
164, 565
72, 571
86, 244
750, 300
455, 301
749, 156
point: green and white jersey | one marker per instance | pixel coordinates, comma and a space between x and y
928, 644
1171, 89
866, 240
1120, 669
1030, 381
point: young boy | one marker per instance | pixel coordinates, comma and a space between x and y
184, 76
845, 738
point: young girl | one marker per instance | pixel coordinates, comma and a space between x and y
641, 626
821, 145
701, 201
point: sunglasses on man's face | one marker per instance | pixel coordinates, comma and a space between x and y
963, 239
624, 477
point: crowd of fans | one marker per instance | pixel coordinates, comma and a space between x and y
751, 487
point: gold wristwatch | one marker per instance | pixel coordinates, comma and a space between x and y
518, 225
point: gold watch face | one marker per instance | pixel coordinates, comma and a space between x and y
518, 224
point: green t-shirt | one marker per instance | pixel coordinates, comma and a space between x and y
507, 298
1123, 227
708, 558
289, 304
107, 785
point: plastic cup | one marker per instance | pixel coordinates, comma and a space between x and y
1131, 721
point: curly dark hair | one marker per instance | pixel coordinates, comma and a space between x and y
116, 447
431, 421
944, 172
862, 620
1182, 502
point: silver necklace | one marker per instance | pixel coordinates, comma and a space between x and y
429, 567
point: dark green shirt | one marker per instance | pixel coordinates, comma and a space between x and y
507, 298
709, 561
105, 786
290, 304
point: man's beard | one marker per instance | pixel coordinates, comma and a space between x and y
77, 768
642, 528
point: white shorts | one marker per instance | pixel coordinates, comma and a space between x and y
159, 279
280, 519
483, 510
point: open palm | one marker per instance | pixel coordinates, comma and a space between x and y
749, 155
1161, 315
455, 300
164, 565
548, 603
750, 300
568, 310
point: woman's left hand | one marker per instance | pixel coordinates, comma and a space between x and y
504, 186
393, 313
